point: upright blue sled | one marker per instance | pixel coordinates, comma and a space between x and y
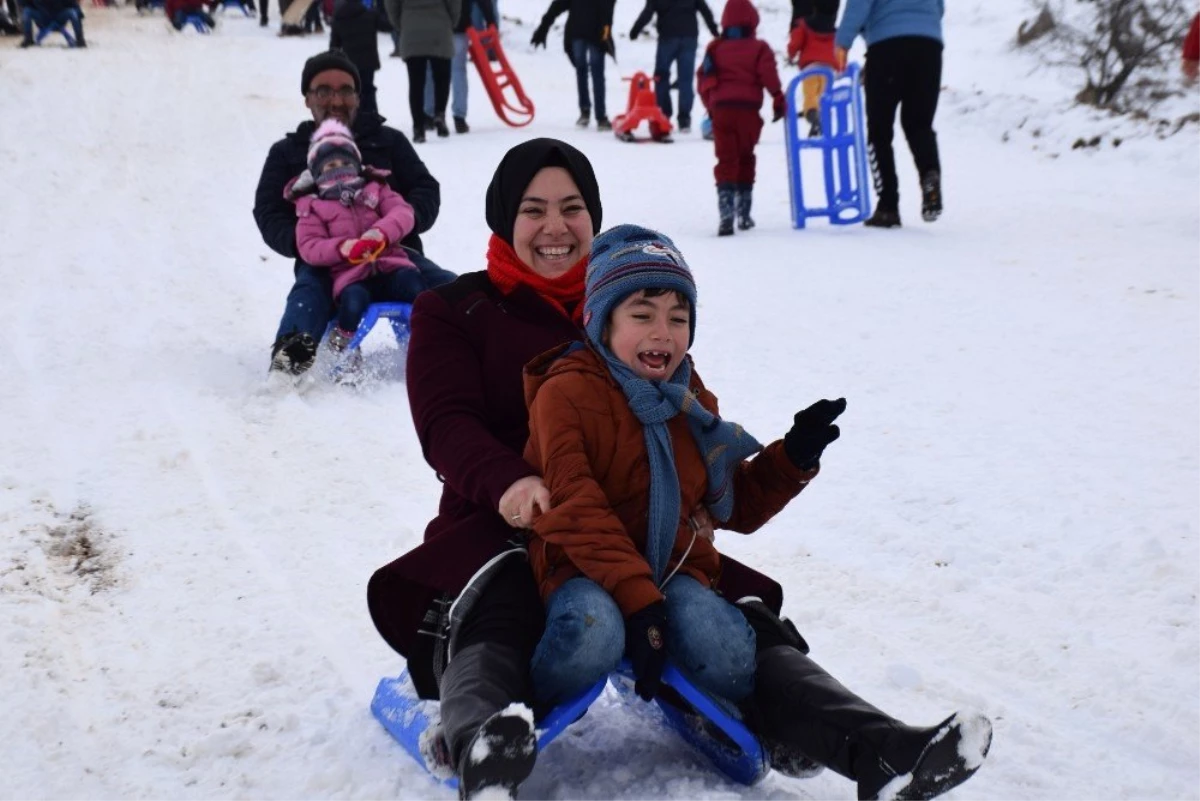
842, 144
719, 735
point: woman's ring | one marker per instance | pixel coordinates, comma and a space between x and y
516, 518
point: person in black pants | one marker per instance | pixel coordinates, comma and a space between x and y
903, 70
354, 29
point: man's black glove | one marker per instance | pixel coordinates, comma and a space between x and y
812, 430
646, 647
633, 34
539, 36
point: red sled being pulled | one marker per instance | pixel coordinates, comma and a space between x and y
643, 107
503, 87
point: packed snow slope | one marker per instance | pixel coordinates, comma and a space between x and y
1008, 523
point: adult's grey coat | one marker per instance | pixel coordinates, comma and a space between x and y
426, 26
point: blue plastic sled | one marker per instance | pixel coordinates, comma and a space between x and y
842, 145
397, 314
732, 748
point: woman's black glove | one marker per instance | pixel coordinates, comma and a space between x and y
646, 646
539, 35
812, 430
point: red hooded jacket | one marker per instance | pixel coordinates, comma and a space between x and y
738, 67
1191, 45
813, 47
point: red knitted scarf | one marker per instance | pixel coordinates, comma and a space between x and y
508, 272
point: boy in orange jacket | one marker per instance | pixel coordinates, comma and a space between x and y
736, 70
811, 42
629, 443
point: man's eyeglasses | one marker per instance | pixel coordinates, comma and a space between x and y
324, 93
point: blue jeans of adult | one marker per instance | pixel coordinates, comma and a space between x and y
30, 16
680, 52
309, 306
708, 639
589, 59
458, 80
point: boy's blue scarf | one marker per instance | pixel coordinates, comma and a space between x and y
722, 444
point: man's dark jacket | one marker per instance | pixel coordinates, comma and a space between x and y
381, 146
464, 16
468, 346
676, 19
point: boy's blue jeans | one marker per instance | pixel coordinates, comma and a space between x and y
458, 80
589, 57
680, 51
708, 639
31, 16
310, 302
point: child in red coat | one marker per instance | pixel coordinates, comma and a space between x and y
737, 68
811, 42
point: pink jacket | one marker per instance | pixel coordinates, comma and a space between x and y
324, 224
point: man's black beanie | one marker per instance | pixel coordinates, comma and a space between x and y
517, 169
329, 60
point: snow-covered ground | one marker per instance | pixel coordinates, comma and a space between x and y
1008, 523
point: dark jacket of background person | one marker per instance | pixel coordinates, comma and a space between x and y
381, 146
676, 19
354, 30
426, 26
464, 16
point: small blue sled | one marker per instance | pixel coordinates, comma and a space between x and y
706, 725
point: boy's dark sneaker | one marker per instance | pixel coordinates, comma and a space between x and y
931, 195
460, 125
293, 353
602, 124
584, 118
884, 218
500, 756
439, 124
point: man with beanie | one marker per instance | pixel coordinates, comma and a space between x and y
331, 84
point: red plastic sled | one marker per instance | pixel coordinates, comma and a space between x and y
498, 77
643, 107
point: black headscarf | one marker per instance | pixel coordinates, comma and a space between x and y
517, 169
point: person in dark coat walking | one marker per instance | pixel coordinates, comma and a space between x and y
463, 607
678, 38
426, 44
330, 85
587, 38
354, 30
903, 70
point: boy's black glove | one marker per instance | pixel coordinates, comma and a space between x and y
812, 430
646, 646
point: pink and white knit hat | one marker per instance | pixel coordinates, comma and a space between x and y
331, 138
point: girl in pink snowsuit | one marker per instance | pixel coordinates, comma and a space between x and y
352, 222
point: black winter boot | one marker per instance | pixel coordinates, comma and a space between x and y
745, 195
293, 353
931, 195
801, 706
884, 217
501, 755
726, 202
418, 136
477, 689
439, 124
460, 125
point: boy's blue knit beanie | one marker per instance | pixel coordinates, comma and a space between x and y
625, 259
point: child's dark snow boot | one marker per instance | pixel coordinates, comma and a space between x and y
931, 195
726, 202
500, 756
745, 195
